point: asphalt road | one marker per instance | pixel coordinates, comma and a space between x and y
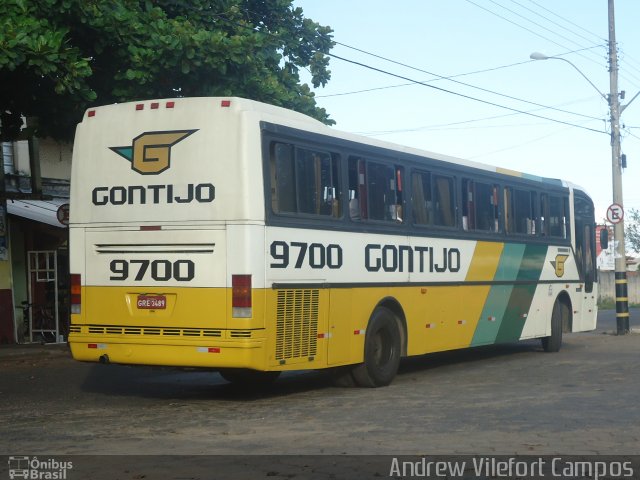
509, 399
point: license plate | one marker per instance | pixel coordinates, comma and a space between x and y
152, 302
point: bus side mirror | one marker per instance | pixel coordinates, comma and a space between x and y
604, 238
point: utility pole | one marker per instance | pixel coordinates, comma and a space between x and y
622, 297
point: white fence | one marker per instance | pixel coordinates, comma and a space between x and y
608, 286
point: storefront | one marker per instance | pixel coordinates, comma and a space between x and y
39, 259
34, 238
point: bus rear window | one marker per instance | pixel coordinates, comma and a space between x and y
304, 181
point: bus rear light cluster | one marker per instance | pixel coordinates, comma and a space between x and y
241, 296
155, 105
76, 293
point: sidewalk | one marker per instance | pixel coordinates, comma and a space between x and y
18, 351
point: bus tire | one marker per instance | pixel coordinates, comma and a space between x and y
343, 377
553, 342
382, 351
246, 378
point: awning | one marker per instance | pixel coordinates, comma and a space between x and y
44, 211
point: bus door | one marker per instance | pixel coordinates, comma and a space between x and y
340, 326
585, 254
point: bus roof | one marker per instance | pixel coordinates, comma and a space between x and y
290, 118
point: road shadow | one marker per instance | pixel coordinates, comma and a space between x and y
431, 361
181, 384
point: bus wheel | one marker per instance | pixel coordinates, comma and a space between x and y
245, 377
381, 351
553, 342
343, 376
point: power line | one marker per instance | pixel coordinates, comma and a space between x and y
569, 22
222, 17
407, 84
441, 77
486, 102
366, 90
535, 23
443, 126
522, 26
554, 22
522, 144
633, 79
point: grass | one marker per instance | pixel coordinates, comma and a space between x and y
610, 304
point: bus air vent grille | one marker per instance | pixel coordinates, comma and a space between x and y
146, 331
296, 324
240, 333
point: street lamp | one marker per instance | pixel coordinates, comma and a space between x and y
542, 56
622, 303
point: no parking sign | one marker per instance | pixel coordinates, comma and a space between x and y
615, 213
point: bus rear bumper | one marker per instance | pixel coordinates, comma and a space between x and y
247, 353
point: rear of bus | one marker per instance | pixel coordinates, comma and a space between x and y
167, 235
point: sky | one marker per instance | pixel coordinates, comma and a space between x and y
476, 52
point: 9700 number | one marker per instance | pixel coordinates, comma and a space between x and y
159, 270
315, 255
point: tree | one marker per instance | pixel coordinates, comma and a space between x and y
59, 57
632, 230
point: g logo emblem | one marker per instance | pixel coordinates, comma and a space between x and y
150, 153
558, 264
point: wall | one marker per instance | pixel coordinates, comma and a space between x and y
6, 304
607, 286
55, 159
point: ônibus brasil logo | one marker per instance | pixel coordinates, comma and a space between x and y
150, 152
34, 468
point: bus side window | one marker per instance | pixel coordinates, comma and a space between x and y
357, 189
375, 190
544, 214
558, 217
445, 214
468, 205
421, 201
479, 206
524, 220
317, 182
306, 181
283, 184
382, 191
508, 210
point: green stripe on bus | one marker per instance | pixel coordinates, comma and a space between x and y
496, 303
521, 296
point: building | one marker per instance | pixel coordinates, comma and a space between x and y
34, 245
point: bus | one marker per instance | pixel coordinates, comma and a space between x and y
228, 234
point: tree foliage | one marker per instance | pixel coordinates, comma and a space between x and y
58, 57
632, 230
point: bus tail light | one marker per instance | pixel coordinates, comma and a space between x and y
76, 293
241, 296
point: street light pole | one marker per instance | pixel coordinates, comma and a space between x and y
622, 297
